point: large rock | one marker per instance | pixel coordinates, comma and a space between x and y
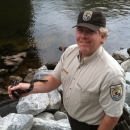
3, 71
42, 72
40, 124
3, 91
48, 121
54, 100
37, 103
16, 122
33, 103
14, 60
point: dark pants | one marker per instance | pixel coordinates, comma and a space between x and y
76, 125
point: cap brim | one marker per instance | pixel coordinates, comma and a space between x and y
88, 25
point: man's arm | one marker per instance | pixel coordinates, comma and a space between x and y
108, 123
39, 87
48, 86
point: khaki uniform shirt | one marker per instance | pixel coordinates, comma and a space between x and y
92, 86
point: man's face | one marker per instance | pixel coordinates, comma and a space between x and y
88, 40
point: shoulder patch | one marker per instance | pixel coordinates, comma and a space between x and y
116, 92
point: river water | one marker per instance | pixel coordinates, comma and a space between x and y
41, 26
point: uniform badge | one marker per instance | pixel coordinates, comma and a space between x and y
87, 15
116, 92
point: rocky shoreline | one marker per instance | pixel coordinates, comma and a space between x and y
45, 110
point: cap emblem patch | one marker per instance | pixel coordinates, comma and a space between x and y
87, 15
116, 92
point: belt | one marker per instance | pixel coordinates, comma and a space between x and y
77, 125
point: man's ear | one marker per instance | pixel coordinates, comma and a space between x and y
103, 38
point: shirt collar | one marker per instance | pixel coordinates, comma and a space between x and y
92, 57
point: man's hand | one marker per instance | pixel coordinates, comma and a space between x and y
20, 86
50, 83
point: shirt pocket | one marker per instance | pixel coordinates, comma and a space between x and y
81, 96
86, 96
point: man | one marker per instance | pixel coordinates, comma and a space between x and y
93, 82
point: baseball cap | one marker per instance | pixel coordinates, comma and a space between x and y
92, 19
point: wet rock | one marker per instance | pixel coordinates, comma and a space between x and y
14, 60
16, 122
3, 71
122, 54
3, 91
119, 57
33, 104
1, 80
29, 77
14, 78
